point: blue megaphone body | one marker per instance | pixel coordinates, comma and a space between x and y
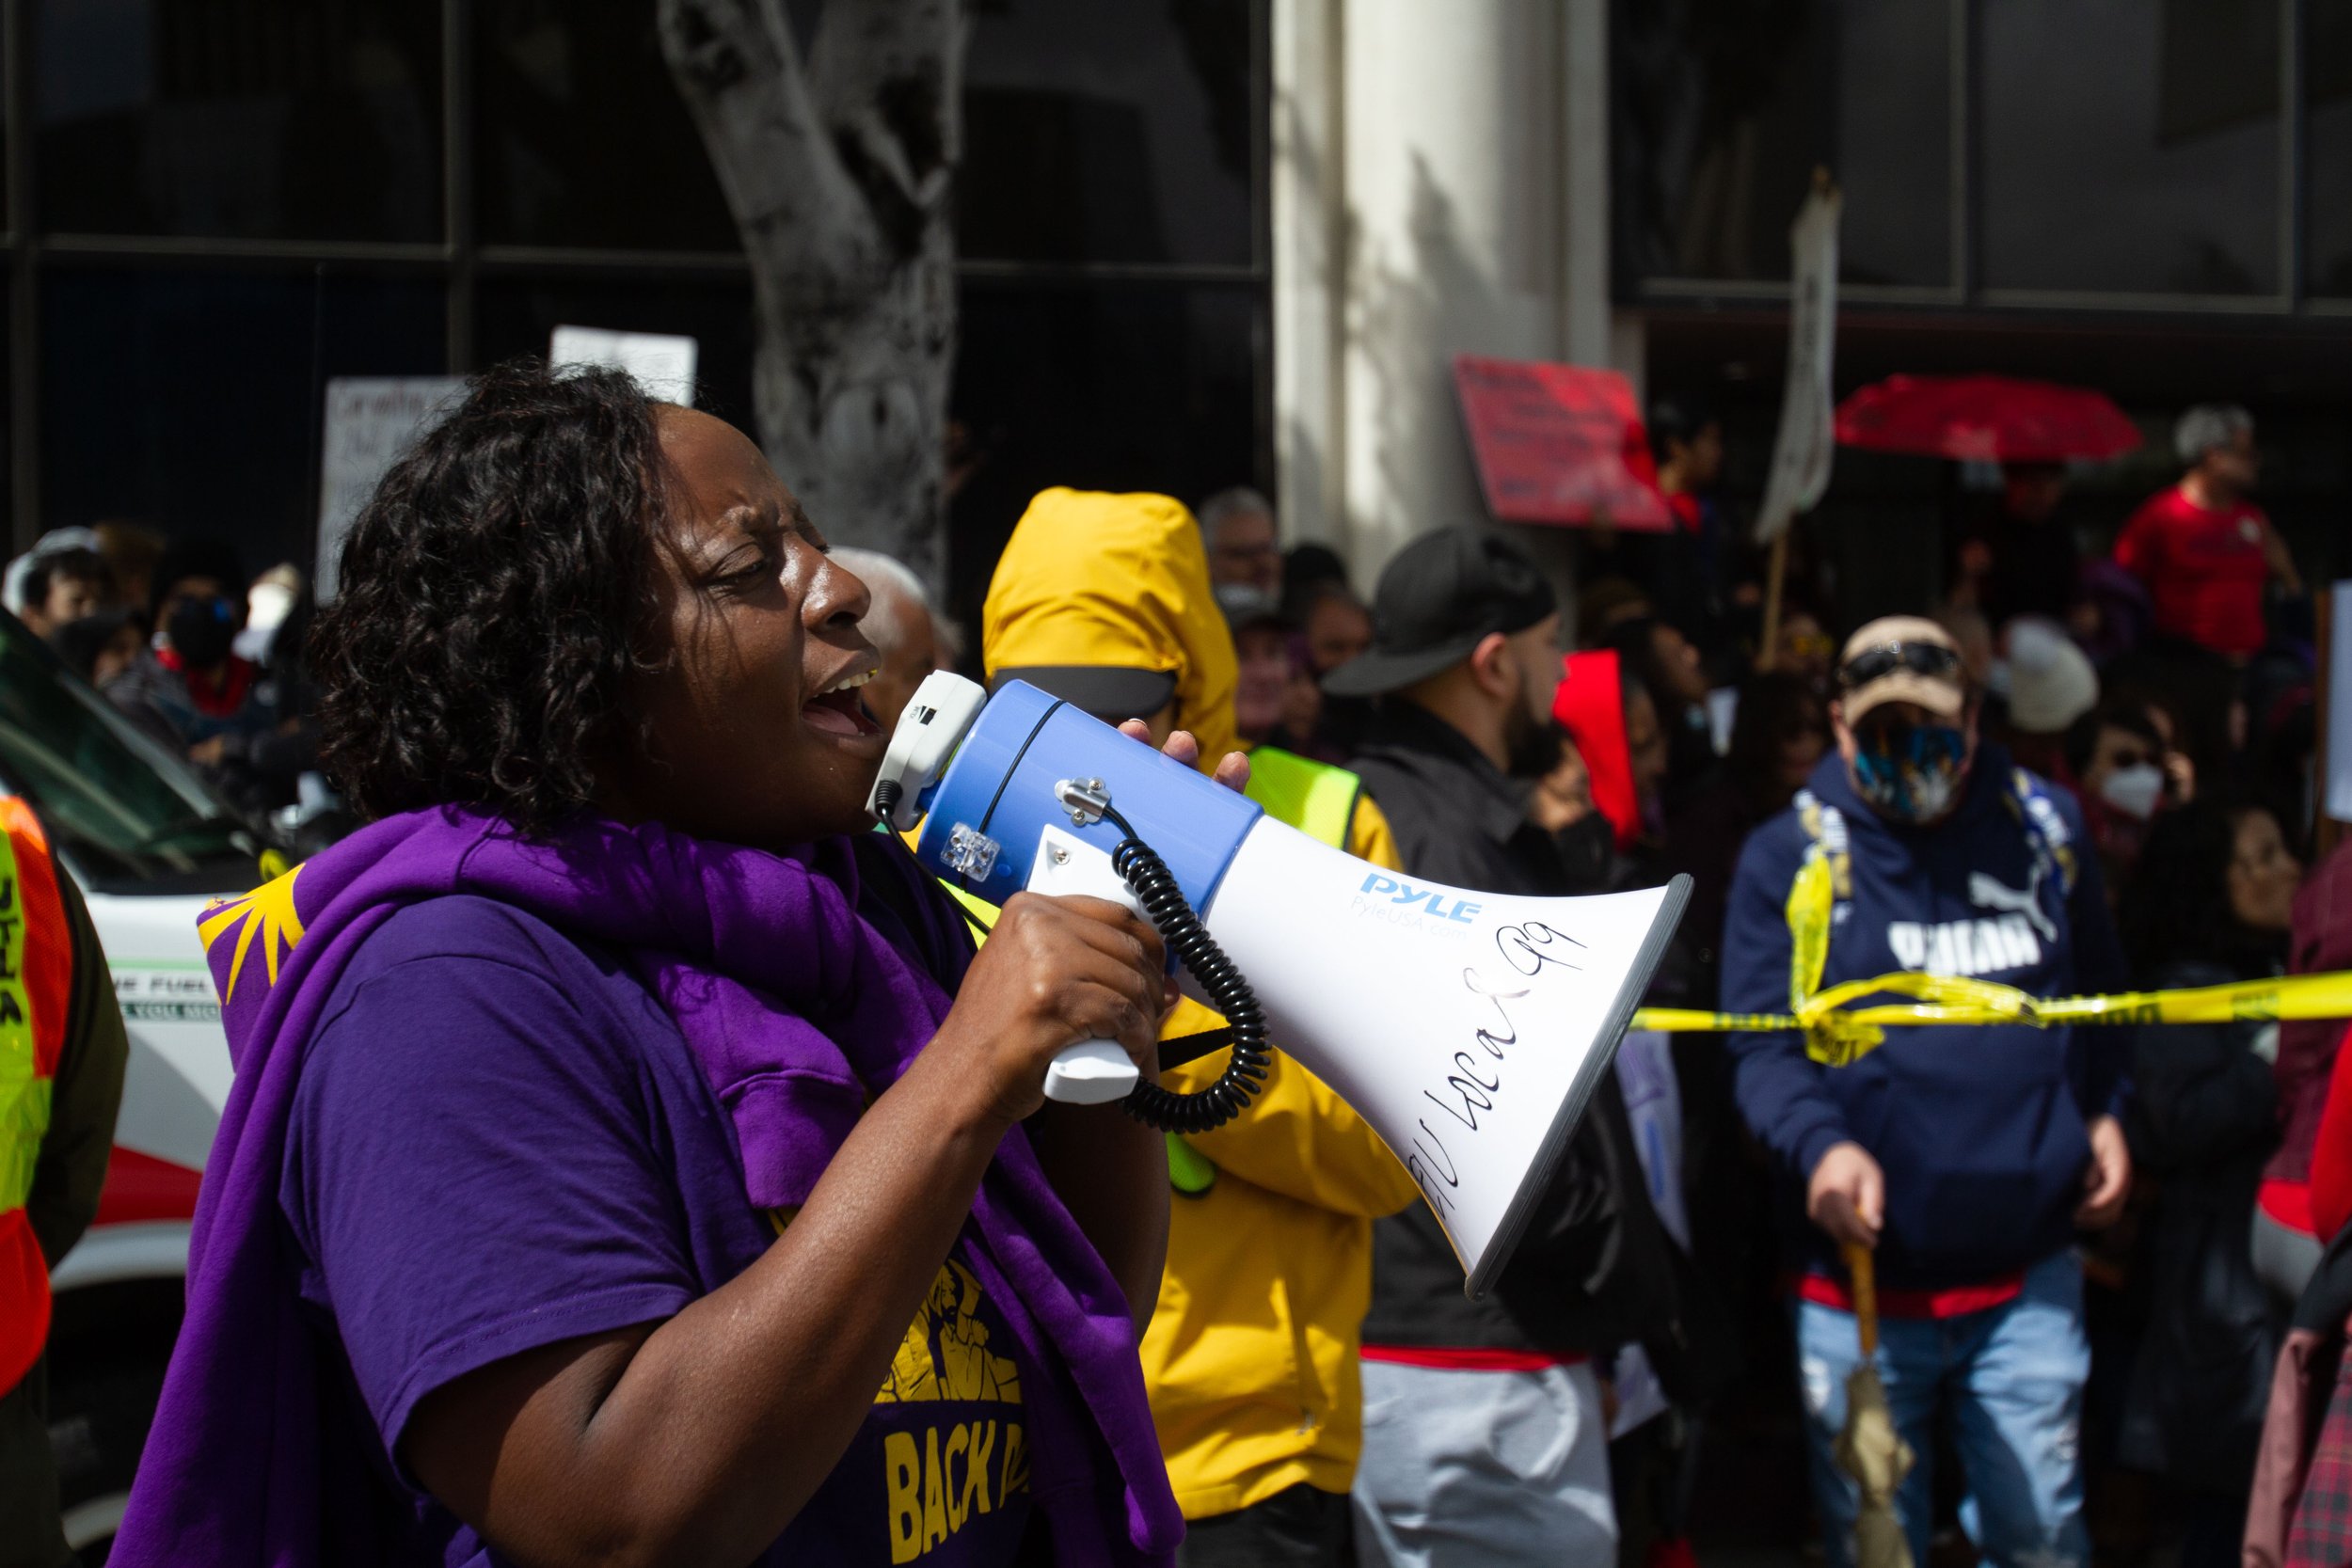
1471, 1029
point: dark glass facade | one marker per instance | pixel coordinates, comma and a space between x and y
2167, 155
2152, 197
221, 204
252, 119
1724, 109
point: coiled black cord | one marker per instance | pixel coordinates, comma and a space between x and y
1155, 889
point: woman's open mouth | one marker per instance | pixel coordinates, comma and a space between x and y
840, 710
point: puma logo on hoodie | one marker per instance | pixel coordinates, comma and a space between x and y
1985, 946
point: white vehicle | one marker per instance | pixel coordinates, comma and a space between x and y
148, 844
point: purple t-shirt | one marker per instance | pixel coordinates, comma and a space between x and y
500, 1141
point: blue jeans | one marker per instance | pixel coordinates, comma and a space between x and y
2011, 1378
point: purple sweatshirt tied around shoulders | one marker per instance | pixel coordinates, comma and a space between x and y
797, 1011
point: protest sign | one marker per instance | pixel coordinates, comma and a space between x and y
370, 420
663, 365
1800, 453
1559, 444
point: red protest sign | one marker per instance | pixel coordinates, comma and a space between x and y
1559, 444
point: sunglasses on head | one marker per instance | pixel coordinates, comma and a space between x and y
1932, 659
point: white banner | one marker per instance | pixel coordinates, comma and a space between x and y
1801, 454
662, 365
370, 421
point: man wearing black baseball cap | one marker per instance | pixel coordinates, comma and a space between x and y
1465, 631
1465, 657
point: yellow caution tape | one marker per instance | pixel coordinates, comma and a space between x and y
1838, 1033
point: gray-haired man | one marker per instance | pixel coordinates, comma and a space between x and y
1237, 526
904, 624
2205, 550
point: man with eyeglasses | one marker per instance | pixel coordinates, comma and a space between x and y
1965, 1157
1245, 550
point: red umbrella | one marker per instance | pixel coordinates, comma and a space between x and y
1988, 418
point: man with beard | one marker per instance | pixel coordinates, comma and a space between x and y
1485, 1438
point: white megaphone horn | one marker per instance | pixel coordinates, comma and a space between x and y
1471, 1029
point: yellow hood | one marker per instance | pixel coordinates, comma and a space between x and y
1093, 578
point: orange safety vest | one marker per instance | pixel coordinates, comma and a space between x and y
36, 988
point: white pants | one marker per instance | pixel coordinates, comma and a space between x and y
1472, 1469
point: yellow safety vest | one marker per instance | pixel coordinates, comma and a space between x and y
36, 988
1313, 797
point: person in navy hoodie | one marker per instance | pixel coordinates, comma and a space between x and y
1965, 1157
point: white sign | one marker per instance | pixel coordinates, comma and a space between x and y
662, 365
2336, 799
370, 421
1800, 453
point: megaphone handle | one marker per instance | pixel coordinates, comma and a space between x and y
1092, 1073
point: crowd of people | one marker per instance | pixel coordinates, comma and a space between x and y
611, 716
203, 657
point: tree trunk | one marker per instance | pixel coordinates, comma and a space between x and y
839, 172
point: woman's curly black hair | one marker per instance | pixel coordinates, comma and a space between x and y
493, 600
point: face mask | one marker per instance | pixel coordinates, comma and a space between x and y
1911, 775
200, 631
1587, 847
2135, 790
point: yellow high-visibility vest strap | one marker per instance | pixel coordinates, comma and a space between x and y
1189, 1171
1808, 914
1313, 797
980, 910
1822, 879
36, 988
24, 1088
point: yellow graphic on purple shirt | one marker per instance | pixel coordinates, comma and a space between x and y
937, 1481
267, 912
959, 1471
945, 1355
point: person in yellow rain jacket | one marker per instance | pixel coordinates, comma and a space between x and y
1104, 600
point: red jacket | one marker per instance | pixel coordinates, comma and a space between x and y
2307, 1049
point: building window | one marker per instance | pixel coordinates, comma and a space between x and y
2024, 154
268, 120
1117, 134
580, 138
2155, 173
223, 203
1724, 110
2328, 166
191, 396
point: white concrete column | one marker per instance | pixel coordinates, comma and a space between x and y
1452, 148
1440, 187
1309, 211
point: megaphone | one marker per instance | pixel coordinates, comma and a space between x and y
1471, 1029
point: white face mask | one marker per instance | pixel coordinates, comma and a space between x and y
2134, 790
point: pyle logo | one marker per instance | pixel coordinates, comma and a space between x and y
1434, 905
